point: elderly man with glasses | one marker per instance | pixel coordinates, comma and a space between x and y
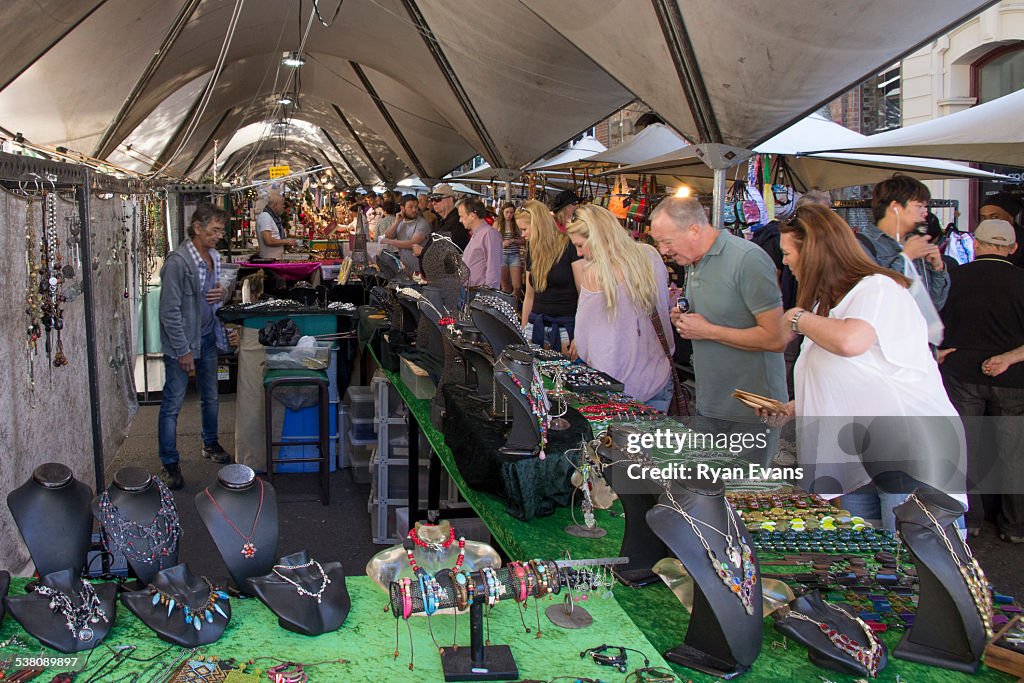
442, 200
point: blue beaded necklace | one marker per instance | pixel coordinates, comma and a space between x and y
538, 407
195, 616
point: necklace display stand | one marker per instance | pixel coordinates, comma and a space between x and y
168, 619
5, 584
138, 500
393, 563
52, 511
821, 651
50, 626
499, 327
524, 438
322, 607
948, 630
239, 511
477, 361
639, 543
722, 638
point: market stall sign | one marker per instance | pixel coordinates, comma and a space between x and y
279, 171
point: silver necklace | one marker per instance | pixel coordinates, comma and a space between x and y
302, 590
78, 616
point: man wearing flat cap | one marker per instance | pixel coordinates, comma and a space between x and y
442, 201
1004, 206
983, 370
564, 208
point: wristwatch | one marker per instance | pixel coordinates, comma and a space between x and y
794, 322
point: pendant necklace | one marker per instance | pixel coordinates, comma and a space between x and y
741, 576
248, 549
193, 616
302, 590
78, 617
972, 574
869, 657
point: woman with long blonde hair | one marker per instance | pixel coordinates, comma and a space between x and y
624, 283
552, 279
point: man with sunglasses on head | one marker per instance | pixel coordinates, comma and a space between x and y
442, 199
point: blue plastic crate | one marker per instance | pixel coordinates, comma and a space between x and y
303, 425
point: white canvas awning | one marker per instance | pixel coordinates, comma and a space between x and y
825, 171
653, 140
418, 86
585, 148
989, 133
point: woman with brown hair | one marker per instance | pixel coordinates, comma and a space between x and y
865, 375
552, 279
511, 241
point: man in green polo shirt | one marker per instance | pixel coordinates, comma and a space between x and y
735, 319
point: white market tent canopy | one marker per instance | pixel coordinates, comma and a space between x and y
653, 140
825, 171
585, 148
400, 87
989, 133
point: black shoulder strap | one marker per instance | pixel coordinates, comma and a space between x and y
867, 244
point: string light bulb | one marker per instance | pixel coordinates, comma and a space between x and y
683, 191
293, 59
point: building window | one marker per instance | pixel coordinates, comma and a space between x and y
1000, 72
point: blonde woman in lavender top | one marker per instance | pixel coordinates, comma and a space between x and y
623, 283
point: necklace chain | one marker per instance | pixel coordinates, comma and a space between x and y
869, 656
302, 590
248, 548
143, 543
972, 574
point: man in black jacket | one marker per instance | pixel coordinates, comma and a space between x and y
442, 199
983, 370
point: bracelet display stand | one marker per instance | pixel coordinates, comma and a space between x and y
639, 543
240, 512
321, 606
821, 649
162, 607
478, 363
480, 661
948, 630
50, 626
137, 500
524, 438
724, 635
52, 512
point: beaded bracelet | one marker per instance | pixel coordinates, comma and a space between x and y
542, 579
520, 574
406, 589
491, 578
289, 672
554, 581
470, 589
429, 601
459, 581
531, 580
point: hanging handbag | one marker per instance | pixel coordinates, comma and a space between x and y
619, 201
679, 406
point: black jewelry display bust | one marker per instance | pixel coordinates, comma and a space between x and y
237, 492
820, 650
509, 401
495, 326
52, 513
948, 631
721, 639
187, 589
137, 499
639, 543
50, 627
5, 583
303, 613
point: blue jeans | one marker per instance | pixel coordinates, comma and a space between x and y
661, 399
175, 385
875, 501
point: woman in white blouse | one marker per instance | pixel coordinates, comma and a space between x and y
875, 421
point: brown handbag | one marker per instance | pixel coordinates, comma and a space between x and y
679, 406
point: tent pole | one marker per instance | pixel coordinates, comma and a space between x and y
508, 190
92, 361
718, 206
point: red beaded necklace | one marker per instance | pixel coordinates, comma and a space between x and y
443, 545
417, 541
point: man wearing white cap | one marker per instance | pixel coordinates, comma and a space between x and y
983, 370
